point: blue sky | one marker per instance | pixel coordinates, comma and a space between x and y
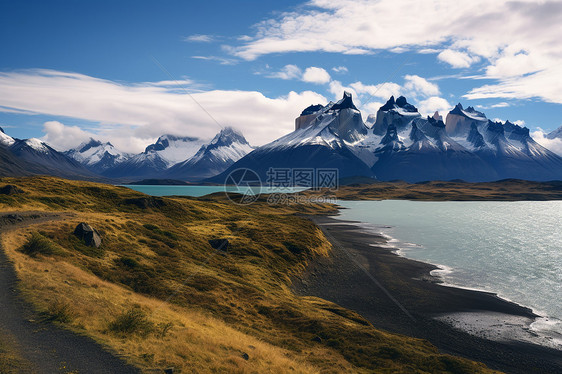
129, 71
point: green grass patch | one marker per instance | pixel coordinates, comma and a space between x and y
38, 244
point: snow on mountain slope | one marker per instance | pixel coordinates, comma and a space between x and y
166, 152
52, 162
227, 147
173, 149
459, 120
5, 140
556, 134
97, 156
397, 112
325, 140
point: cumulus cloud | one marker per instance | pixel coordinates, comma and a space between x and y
432, 104
516, 42
316, 75
142, 112
62, 137
457, 59
311, 74
555, 145
417, 85
287, 72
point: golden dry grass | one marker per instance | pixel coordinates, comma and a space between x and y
204, 310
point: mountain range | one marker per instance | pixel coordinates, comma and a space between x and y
403, 145
397, 143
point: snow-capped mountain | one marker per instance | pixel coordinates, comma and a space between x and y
403, 145
97, 156
166, 152
324, 137
227, 147
460, 120
413, 148
46, 160
555, 134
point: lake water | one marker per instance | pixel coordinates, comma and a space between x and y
197, 191
511, 248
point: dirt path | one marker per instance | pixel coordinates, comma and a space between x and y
44, 347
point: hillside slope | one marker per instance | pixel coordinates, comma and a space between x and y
158, 293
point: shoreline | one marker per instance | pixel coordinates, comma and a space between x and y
485, 325
525, 329
360, 259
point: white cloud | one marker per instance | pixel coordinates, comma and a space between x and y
316, 75
418, 85
517, 42
220, 60
133, 114
62, 137
457, 59
201, 38
311, 74
555, 145
432, 104
288, 72
340, 69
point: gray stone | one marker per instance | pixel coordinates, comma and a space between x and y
88, 235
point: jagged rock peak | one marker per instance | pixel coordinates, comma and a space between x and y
416, 134
92, 143
401, 102
389, 104
312, 109
345, 103
436, 122
474, 136
227, 136
459, 110
496, 127
437, 116
2, 130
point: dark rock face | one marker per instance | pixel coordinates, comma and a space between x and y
474, 137
312, 109
88, 235
10, 190
220, 244
345, 103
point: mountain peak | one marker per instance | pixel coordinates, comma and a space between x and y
389, 104
227, 136
2, 130
312, 109
401, 103
91, 143
345, 103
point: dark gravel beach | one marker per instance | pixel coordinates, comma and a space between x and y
399, 295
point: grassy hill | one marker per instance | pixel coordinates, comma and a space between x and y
159, 294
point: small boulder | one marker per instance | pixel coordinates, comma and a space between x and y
10, 189
88, 235
220, 244
245, 356
317, 339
